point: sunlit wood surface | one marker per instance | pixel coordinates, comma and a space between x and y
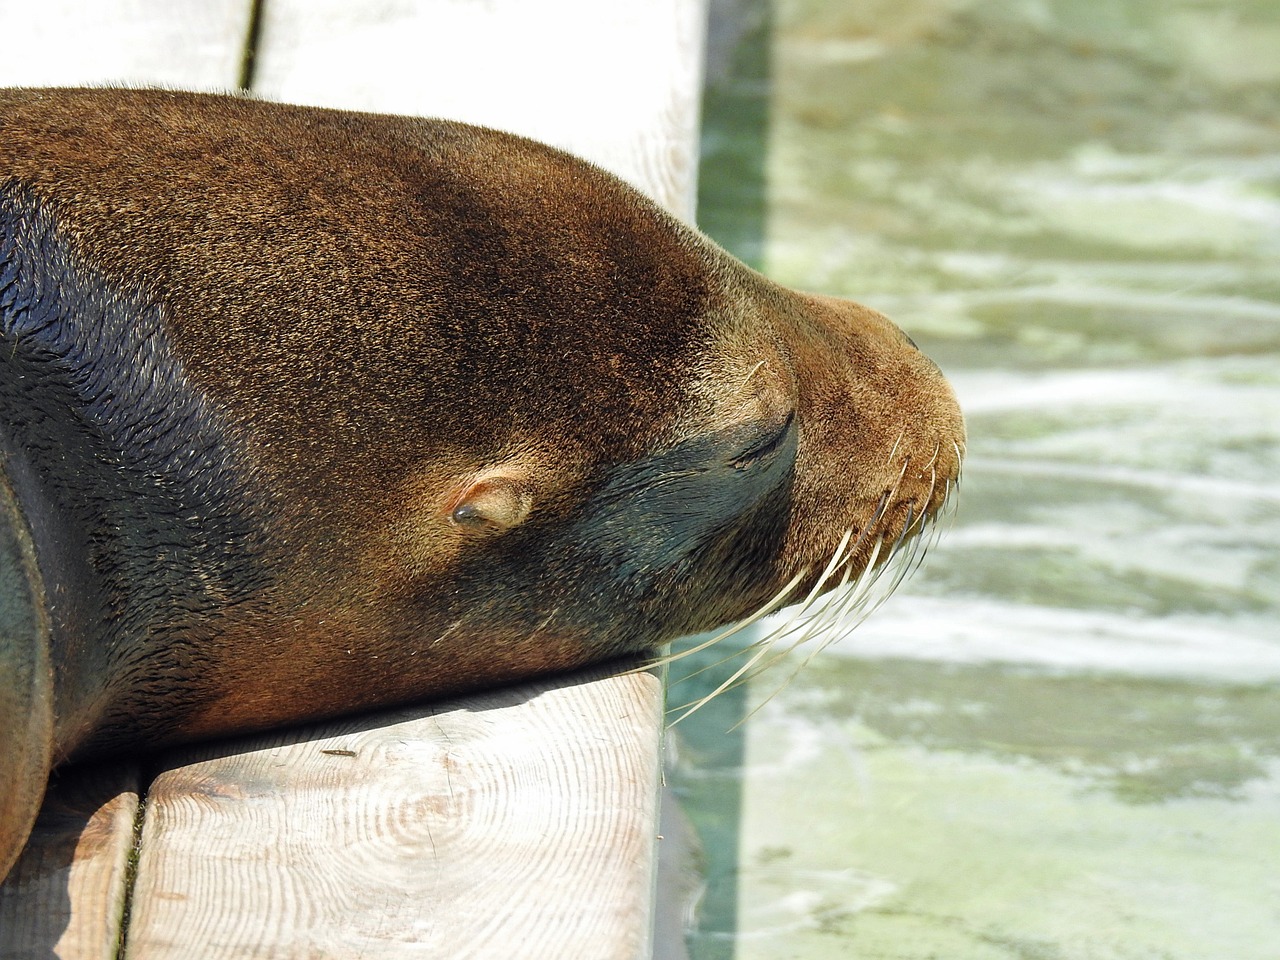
513, 824
519, 823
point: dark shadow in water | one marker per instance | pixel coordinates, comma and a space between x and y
1144, 740
735, 126
710, 745
732, 210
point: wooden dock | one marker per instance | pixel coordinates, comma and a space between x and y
520, 823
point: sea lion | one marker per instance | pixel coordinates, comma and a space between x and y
305, 411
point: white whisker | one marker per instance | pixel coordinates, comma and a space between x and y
752, 372
934, 459
815, 623
894, 451
769, 607
726, 685
838, 601
800, 621
849, 602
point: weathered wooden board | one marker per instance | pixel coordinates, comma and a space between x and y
616, 81
511, 824
65, 896
518, 824
193, 45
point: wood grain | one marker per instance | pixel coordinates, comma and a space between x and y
65, 895
517, 824
615, 81
512, 824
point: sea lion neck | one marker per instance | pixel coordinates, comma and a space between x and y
143, 523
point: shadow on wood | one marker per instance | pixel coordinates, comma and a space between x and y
65, 897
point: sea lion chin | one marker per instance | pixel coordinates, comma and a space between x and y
305, 411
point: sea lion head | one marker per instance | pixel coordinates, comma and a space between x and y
306, 411
667, 441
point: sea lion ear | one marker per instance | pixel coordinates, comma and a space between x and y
491, 503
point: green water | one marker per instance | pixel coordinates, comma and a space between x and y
1060, 740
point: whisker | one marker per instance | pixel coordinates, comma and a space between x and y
894, 451
732, 655
798, 621
836, 558
951, 506
802, 621
846, 600
855, 597
920, 549
863, 602
726, 685
934, 459
814, 624
843, 603
905, 566
769, 607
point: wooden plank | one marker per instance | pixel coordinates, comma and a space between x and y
615, 81
517, 824
70, 42
65, 895
552, 850
419, 833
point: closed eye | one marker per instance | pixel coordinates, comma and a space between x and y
770, 444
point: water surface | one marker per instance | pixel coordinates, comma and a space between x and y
1061, 740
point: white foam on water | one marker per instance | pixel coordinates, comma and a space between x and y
1216, 488
1081, 292
1147, 201
981, 631
1226, 196
1205, 429
1203, 385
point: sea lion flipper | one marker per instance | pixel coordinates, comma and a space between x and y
26, 683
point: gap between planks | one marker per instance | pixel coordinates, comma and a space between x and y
638, 117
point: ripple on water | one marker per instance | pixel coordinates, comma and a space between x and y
1059, 739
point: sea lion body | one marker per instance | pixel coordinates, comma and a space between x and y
306, 411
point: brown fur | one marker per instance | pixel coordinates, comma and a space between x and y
384, 408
